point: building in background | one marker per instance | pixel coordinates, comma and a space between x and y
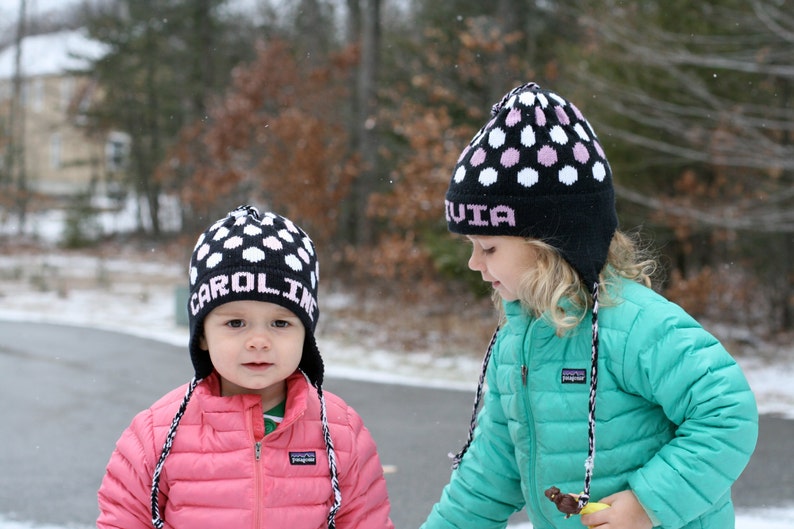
61, 156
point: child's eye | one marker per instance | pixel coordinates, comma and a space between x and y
281, 324
489, 251
235, 324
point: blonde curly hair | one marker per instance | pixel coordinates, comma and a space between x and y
553, 290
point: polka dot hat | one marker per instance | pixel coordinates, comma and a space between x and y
248, 256
536, 169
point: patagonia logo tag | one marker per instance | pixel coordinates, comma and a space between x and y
574, 376
302, 458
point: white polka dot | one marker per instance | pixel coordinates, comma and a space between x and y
599, 171
527, 177
558, 135
286, 236
488, 176
496, 138
293, 262
221, 234
568, 175
527, 98
307, 242
233, 242
252, 229
214, 259
557, 98
543, 101
303, 255
272, 243
253, 255
528, 136
460, 174
202, 252
193, 275
581, 132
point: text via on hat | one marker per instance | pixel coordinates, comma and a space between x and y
218, 286
480, 214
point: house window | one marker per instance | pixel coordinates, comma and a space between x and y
117, 151
37, 94
67, 92
55, 151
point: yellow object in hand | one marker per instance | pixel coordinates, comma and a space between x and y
593, 506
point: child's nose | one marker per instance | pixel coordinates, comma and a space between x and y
258, 339
474, 262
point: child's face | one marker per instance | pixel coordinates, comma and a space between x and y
254, 346
501, 261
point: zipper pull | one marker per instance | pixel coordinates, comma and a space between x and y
258, 449
524, 371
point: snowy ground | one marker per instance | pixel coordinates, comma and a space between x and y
136, 295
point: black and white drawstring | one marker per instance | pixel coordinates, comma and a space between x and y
589, 464
329, 443
157, 520
477, 398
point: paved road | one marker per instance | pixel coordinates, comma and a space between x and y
67, 393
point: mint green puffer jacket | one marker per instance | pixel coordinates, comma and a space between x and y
676, 420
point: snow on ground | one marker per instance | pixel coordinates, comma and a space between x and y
137, 295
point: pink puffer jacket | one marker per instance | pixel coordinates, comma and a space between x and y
223, 472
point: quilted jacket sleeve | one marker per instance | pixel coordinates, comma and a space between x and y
486, 487
365, 502
124, 495
673, 361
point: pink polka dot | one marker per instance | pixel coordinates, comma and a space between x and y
580, 152
513, 117
463, 154
547, 156
577, 112
561, 115
540, 117
478, 157
510, 157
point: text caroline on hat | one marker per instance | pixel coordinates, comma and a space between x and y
537, 170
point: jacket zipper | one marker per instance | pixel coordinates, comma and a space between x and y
531, 427
257, 469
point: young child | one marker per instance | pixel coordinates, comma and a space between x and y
252, 440
586, 350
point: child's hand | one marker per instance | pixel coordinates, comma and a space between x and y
625, 512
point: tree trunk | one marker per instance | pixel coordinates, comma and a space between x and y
366, 120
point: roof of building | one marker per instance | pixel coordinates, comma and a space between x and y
51, 54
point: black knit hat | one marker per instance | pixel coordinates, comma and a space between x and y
248, 256
536, 170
